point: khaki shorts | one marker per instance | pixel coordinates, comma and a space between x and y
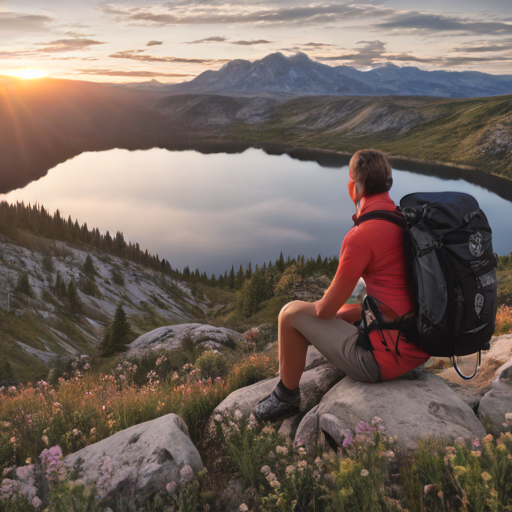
336, 340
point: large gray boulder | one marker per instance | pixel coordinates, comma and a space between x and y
410, 409
313, 386
138, 461
497, 402
171, 337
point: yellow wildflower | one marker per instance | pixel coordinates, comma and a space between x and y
460, 470
486, 476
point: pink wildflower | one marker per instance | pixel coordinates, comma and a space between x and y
52, 462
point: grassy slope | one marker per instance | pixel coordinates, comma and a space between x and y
453, 131
42, 322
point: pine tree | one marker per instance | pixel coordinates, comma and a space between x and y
253, 293
74, 302
117, 334
89, 269
280, 263
232, 277
23, 286
240, 278
60, 286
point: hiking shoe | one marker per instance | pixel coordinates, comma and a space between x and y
273, 409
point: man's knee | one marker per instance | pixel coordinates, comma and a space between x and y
288, 310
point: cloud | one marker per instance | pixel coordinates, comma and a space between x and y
316, 45
14, 54
67, 45
114, 72
76, 34
136, 55
154, 43
235, 13
252, 42
219, 39
208, 40
370, 53
446, 61
14, 23
414, 21
485, 46
374, 52
291, 49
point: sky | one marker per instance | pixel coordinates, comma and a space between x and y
175, 40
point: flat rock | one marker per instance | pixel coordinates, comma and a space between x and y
313, 385
138, 461
171, 337
498, 400
410, 409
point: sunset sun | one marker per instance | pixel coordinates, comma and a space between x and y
29, 73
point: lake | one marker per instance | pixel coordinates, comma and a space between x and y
211, 211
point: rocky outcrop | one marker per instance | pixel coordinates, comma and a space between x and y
417, 405
313, 386
410, 409
171, 337
115, 281
138, 461
496, 405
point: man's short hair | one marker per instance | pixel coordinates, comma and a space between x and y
373, 170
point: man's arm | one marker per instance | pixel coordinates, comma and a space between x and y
353, 261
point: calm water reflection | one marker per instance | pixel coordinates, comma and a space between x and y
212, 211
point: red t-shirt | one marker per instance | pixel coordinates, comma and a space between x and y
374, 251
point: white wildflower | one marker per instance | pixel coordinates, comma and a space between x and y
281, 450
265, 470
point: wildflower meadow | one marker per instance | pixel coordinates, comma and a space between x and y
249, 465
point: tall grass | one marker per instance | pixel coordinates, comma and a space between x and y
503, 320
87, 408
368, 473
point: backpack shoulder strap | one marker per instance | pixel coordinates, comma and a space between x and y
394, 217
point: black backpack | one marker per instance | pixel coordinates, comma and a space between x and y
452, 275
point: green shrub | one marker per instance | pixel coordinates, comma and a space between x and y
212, 364
48, 264
23, 286
117, 277
89, 287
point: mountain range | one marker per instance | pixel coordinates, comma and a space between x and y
277, 74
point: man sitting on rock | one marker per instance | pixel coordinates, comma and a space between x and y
374, 251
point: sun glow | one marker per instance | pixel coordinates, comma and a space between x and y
28, 73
